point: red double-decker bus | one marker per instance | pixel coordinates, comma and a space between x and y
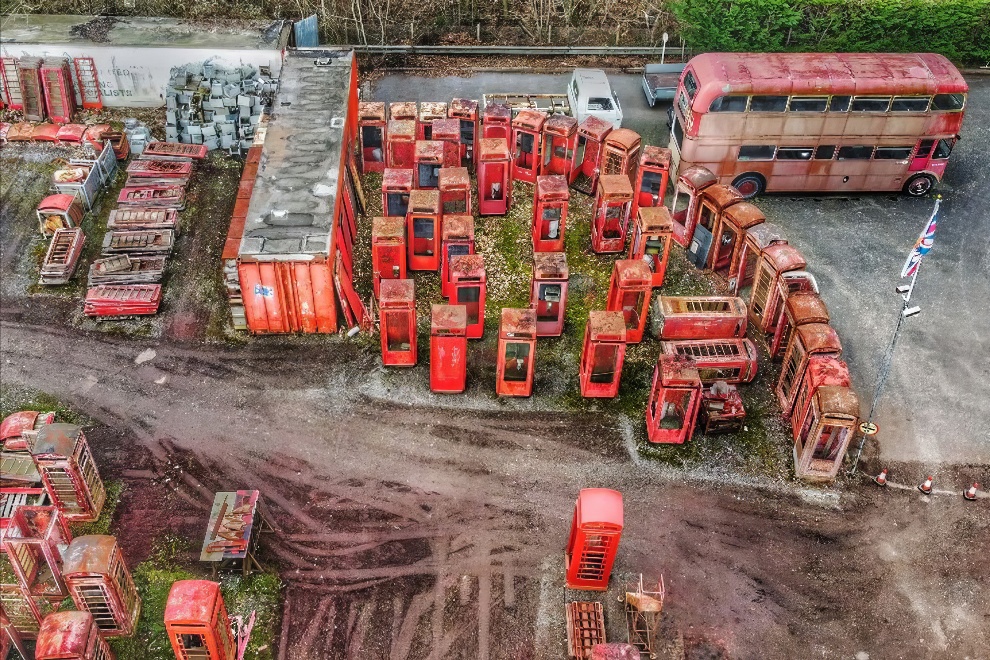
833, 122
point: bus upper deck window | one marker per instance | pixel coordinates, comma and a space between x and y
839, 104
948, 102
942, 149
825, 152
871, 104
768, 104
910, 103
729, 104
893, 153
808, 103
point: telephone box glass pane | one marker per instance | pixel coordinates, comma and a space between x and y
469, 296
525, 143
457, 250
673, 409
423, 236
603, 363
398, 204
651, 184
429, 175
455, 206
632, 305
371, 136
550, 229
582, 145
718, 373
654, 246
707, 217
790, 370
613, 221
397, 331
496, 173
467, 131
516, 362
548, 297
829, 441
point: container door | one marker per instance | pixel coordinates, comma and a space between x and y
424, 236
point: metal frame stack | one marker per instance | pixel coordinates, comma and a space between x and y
62, 256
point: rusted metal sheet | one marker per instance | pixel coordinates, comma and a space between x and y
127, 269
585, 628
143, 218
159, 168
147, 240
175, 150
17, 423
45, 132
70, 133
160, 196
722, 409
62, 256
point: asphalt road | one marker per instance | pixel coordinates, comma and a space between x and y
935, 408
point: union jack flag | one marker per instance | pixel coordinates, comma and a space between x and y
922, 246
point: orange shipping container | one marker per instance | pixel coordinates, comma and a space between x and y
288, 296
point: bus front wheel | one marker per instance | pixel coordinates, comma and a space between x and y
750, 184
919, 185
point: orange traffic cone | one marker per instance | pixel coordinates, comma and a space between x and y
970, 493
881, 479
926, 487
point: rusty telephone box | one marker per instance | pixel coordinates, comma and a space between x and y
396, 186
729, 237
610, 223
651, 240
822, 370
388, 250
806, 340
620, 153
700, 317
652, 177
448, 132
764, 304
10, 637
403, 111
429, 111
629, 292
516, 352
494, 177
400, 143
497, 121
712, 203
427, 163
603, 354
35, 541
465, 111
455, 190
591, 133
825, 432
675, 398
550, 213
758, 238
596, 529
527, 140
197, 623
99, 583
800, 308
71, 636
371, 136
397, 304
468, 287
69, 472
549, 293
423, 230
457, 238
448, 349
559, 140
728, 360
687, 195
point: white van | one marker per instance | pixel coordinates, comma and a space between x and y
590, 94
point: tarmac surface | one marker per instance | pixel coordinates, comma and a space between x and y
935, 408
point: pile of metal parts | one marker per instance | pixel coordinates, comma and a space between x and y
217, 107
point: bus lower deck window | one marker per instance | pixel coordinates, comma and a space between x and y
825, 152
794, 153
855, 152
943, 149
925, 148
893, 153
756, 152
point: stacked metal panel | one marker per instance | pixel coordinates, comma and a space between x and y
128, 300
62, 256
127, 269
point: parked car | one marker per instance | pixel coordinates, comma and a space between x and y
589, 93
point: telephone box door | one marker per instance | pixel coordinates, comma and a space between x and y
396, 186
629, 293
497, 120
603, 354
388, 250
401, 141
516, 353
398, 323
549, 293
371, 127
423, 230
494, 180
448, 349
550, 213
458, 240
652, 178
469, 287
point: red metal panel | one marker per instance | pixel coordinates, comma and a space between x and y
304, 289
271, 299
323, 297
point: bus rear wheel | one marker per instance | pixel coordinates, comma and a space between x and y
750, 184
919, 185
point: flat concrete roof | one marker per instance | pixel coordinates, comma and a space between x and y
291, 212
143, 31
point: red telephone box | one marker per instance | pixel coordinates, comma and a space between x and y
388, 250
758, 238
559, 140
687, 195
10, 637
396, 186
651, 240
465, 111
652, 177
613, 203
60, 97
428, 161
423, 230
527, 136
822, 370
400, 139
371, 133
497, 121
729, 236
799, 308
620, 153
448, 132
807, 340
728, 360
428, 112
69, 472
469, 283
448, 349
71, 636
550, 213
764, 304
825, 432
603, 354
494, 180
34, 541
197, 623
675, 397
701, 317
457, 236
403, 111
788, 283
397, 303
99, 583
594, 539
549, 294
629, 293
588, 154
516, 352
455, 190
713, 202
